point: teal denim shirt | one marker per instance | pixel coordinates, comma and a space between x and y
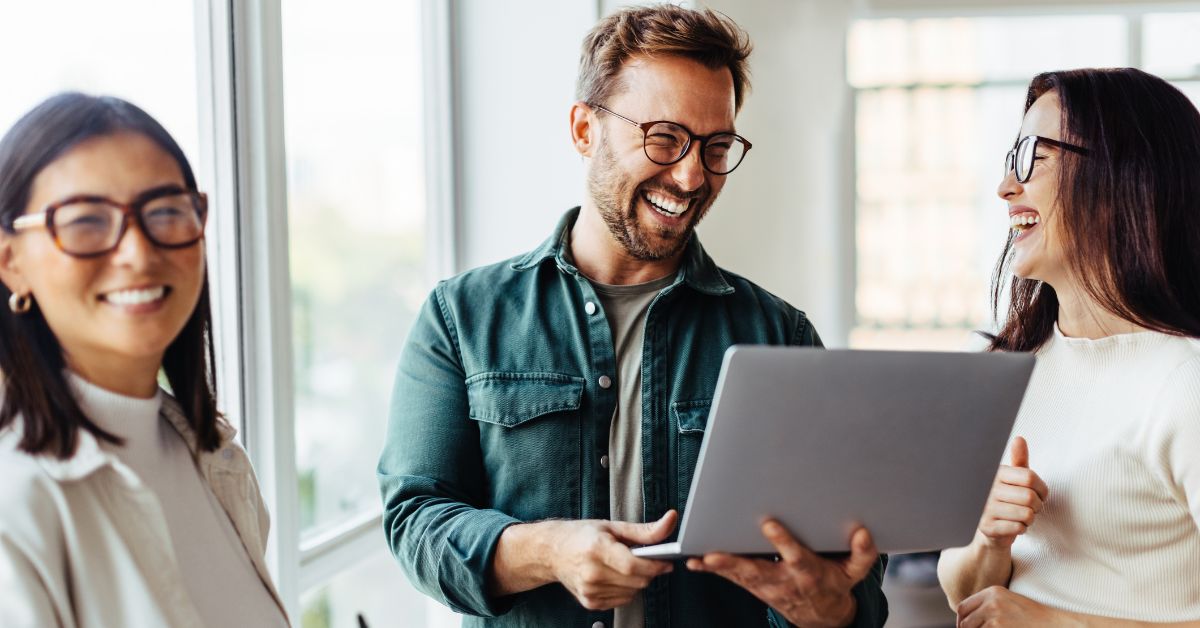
498, 417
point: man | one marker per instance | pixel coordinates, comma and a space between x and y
546, 406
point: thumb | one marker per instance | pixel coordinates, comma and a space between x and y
1020, 453
645, 533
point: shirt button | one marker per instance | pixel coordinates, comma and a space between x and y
604, 461
605, 382
589, 307
598, 624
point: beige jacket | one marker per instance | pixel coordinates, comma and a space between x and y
83, 542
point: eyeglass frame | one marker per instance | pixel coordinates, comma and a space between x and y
1010, 158
646, 126
45, 218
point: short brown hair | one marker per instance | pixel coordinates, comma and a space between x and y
703, 35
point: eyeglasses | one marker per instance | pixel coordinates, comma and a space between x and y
89, 226
666, 142
1021, 156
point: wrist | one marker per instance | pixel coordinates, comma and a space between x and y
523, 558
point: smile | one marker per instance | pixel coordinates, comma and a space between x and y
1024, 221
139, 296
664, 205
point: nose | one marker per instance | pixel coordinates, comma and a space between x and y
1009, 187
134, 250
688, 172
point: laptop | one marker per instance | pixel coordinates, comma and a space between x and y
905, 443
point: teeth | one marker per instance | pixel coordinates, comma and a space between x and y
1024, 221
135, 297
666, 204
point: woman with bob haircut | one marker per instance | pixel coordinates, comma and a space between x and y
1096, 521
121, 504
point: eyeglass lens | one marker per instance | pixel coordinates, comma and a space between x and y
666, 143
1020, 158
89, 227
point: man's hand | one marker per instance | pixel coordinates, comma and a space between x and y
1017, 496
590, 558
997, 606
807, 589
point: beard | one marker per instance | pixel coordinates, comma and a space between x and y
617, 197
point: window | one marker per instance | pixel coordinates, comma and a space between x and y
938, 103
158, 38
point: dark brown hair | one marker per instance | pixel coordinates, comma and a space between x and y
702, 35
31, 358
1129, 210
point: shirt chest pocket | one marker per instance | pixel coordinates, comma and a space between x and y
691, 417
529, 433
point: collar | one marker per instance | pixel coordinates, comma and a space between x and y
698, 270
90, 457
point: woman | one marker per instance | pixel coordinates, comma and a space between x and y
121, 504
1097, 519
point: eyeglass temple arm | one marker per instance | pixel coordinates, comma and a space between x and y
30, 220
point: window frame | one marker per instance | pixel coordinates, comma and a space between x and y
243, 162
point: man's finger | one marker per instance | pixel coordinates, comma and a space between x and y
789, 549
647, 533
1020, 452
623, 563
863, 555
745, 572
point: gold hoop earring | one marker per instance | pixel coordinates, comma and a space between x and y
19, 303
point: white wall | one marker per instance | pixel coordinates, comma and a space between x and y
780, 220
516, 171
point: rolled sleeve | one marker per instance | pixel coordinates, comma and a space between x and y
431, 474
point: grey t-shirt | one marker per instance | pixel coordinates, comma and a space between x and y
625, 307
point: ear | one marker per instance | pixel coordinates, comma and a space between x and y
584, 136
10, 272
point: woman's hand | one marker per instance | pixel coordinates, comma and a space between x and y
997, 606
1017, 496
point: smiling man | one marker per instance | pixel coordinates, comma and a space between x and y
548, 410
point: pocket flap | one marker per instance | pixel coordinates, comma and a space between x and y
692, 416
510, 399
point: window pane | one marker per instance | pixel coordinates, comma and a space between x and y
1171, 44
356, 213
93, 52
378, 590
930, 156
974, 50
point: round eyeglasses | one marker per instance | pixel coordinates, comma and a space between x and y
88, 226
666, 142
1022, 155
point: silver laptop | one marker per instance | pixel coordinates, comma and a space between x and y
905, 443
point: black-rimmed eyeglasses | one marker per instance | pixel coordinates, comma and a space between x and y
86, 225
1020, 158
666, 142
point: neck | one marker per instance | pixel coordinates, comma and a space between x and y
602, 259
132, 378
1080, 316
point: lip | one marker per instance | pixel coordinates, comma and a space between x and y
1022, 209
669, 221
148, 307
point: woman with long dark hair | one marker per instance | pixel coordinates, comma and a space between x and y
121, 504
1096, 521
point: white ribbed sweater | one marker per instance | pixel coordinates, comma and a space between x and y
1114, 429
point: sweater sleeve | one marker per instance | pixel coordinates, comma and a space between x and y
1175, 435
